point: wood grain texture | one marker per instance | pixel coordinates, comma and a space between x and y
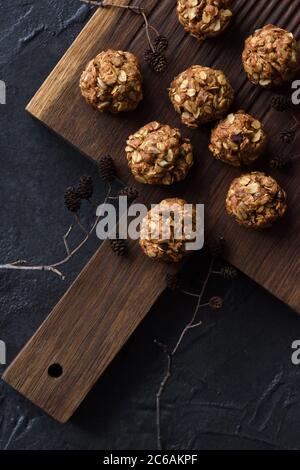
86, 330
111, 296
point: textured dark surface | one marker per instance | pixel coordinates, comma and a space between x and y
234, 385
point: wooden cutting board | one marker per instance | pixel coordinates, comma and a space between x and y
111, 296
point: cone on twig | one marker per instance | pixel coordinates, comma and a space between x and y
280, 103
229, 272
280, 161
159, 63
106, 168
130, 192
72, 200
118, 246
148, 54
85, 188
161, 43
216, 303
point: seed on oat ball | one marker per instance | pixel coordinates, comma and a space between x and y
160, 229
157, 154
271, 56
204, 18
238, 139
112, 81
201, 95
256, 200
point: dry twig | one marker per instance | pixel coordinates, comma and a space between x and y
134, 9
171, 353
55, 267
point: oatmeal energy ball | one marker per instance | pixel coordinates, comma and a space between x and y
112, 81
157, 154
204, 18
201, 95
159, 237
271, 56
255, 200
238, 140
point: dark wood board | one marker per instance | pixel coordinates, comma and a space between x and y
111, 296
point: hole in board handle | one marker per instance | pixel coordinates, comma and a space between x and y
55, 371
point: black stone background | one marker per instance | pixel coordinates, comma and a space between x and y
234, 386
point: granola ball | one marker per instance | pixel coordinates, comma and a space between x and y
271, 56
201, 95
112, 81
204, 18
167, 228
255, 200
238, 140
157, 154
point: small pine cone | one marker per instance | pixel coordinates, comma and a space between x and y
148, 55
172, 281
217, 247
85, 188
72, 200
287, 136
158, 63
118, 246
131, 192
106, 167
280, 103
216, 303
161, 43
280, 161
229, 272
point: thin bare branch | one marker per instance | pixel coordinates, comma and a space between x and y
196, 309
147, 30
191, 294
79, 223
54, 268
170, 355
32, 268
66, 239
195, 325
133, 8
158, 399
104, 4
91, 2
19, 261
